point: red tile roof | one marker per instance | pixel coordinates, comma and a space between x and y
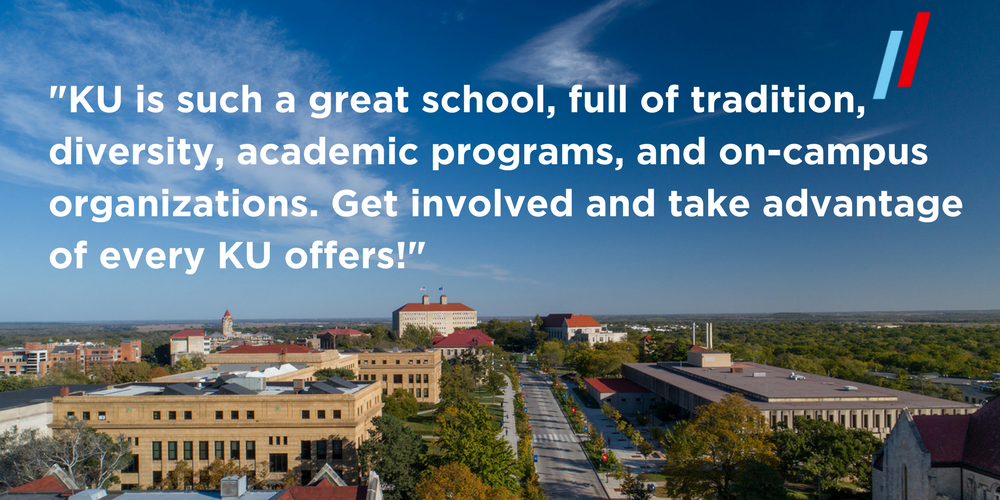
47, 483
188, 333
324, 490
972, 440
342, 331
227, 314
604, 385
697, 348
580, 321
418, 307
647, 338
270, 349
982, 448
465, 338
943, 435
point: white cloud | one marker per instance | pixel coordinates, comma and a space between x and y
488, 271
865, 135
560, 56
172, 49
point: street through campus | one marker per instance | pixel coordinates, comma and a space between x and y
563, 468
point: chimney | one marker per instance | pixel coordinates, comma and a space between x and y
233, 486
444, 300
711, 336
708, 339
427, 300
694, 330
64, 391
298, 384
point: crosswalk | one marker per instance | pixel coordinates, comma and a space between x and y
555, 438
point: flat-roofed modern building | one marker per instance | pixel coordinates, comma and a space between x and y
273, 428
783, 394
443, 317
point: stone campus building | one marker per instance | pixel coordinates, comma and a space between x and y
443, 317
274, 428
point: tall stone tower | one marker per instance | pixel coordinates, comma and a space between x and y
227, 323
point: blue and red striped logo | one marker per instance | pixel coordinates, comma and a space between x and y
909, 63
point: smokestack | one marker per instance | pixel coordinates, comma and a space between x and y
694, 330
711, 336
708, 339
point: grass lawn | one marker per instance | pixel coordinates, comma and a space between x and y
422, 424
651, 477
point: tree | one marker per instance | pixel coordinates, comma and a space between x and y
400, 404
180, 478
758, 481
210, 478
496, 382
552, 353
344, 373
706, 456
820, 452
632, 487
456, 482
90, 457
457, 385
645, 449
19, 461
466, 434
394, 451
422, 336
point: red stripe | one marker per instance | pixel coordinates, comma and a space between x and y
913, 51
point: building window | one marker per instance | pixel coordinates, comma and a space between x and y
411, 378
156, 415
234, 414
336, 414
278, 462
220, 450
171, 450
202, 450
270, 440
171, 415
187, 415
426, 393
306, 477
854, 421
425, 378
305, 414
888, 421
157, 450
338, 449
878, 421
284, 440
70, 415
251, 450
385, 378
157, 477
188, 450
397, 379
234, 450
321, 449
249, 414
86, 415
385, 392
864, 420
384, 361
218, 414
321, 414
306, 450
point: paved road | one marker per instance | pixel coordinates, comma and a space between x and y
563, 468
509, 431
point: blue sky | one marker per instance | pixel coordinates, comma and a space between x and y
504, 266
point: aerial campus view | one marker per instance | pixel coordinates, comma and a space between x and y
494, 250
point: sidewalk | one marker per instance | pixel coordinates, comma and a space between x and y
509, 430
624, 451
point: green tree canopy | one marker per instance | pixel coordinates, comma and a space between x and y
400, 404
706, 456
344, 373
821, 453
467, 435
395, 452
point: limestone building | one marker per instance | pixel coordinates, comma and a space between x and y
187, 344
443, 317
460, 342
579, 328
274, 428
939, 457
417, 371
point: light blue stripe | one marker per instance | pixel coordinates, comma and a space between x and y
888, 62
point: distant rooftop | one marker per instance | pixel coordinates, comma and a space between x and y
24, 397
272, 389
770, 387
